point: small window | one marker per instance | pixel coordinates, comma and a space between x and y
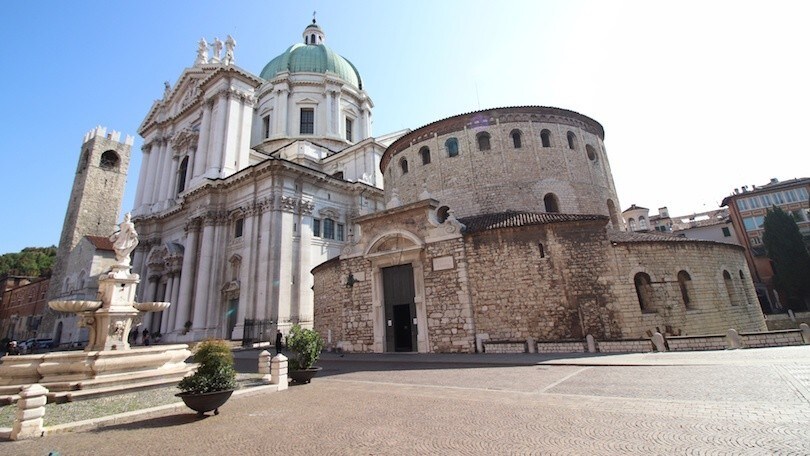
403, 164
551, 203
591, 152
726, 232
642, 223
316, 227
181, 175
340, 232
631, 222
266, 126
542, 250
238, 227
307, 121
729, 287
109, 160
516, 139
349, 124
545, 137
643, 285
452, 147
685, 284
572, 140
483, 140
425, 154
312, 39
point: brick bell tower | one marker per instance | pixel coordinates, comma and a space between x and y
95, 200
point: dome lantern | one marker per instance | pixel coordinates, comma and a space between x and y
313, 34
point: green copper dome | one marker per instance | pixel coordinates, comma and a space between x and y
312, 58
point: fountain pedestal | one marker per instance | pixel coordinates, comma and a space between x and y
108, 360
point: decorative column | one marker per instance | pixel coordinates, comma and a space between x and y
246, 282
302, 271
266, 291
201, 299
282, 122
201, 155
215, 144
168, 170
172, 322
213, 319
145, 149
187, 276
148, 172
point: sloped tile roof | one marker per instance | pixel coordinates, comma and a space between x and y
514, 219
622, 237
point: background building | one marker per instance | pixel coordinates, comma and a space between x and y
748, 207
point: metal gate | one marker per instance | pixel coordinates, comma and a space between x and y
257, 331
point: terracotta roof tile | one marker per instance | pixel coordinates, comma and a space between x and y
516, 219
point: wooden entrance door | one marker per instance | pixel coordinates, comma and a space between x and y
400, 309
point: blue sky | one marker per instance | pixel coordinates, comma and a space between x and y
696, 98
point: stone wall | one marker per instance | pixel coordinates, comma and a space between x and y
562, 347
504, 347
694, 343
519, 292
504, 177
624, 346
711, 309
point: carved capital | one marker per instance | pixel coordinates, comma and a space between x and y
288, 203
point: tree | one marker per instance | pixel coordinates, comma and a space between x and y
31, 261
791, 262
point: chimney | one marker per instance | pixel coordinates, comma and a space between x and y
774, 180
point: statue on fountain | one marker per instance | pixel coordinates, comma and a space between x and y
124, 241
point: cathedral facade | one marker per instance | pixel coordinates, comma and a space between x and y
249, 181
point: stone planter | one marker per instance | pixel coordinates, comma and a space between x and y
205, 402
303, 375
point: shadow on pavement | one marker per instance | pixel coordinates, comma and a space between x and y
179, 419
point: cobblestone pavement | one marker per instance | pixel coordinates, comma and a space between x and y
747, 405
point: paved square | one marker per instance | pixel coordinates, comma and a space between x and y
750, 402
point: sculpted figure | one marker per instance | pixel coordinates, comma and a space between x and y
230, 43
124, 240
217, 50
202, 51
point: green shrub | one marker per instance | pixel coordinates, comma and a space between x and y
306, 346
215, 373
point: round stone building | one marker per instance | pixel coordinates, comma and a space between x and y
501, 228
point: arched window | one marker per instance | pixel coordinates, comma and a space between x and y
109, 160
452, 147
642, 223
644, 292
425, 154
591, 152
404, 165
685, 284
729, 287
551, 203
572, 140
516, 138
312, 39
442, 213
614, 216
545, 137
483, 140
181, 175
631, 222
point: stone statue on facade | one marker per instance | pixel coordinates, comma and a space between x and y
230, 43
166, 89
124, 240
202, 52
217, 50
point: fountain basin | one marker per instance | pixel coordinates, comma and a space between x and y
151, 306
74, 306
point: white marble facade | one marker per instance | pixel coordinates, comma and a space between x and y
239, 197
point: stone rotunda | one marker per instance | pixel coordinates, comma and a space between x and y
501, 225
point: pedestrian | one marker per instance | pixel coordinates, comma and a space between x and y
146, 340
279, 336
133, 335
12, 348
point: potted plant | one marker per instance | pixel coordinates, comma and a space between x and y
215, 379
305, 346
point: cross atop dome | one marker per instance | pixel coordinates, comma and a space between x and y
313, 33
